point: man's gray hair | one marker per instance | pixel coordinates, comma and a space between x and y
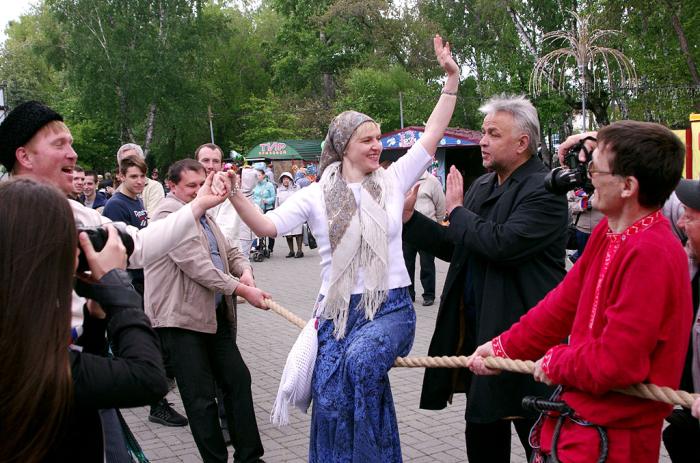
523, 112
127, 147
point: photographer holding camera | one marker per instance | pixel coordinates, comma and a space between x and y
51, 394
620, 307
35, 142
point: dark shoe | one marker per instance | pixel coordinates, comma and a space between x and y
298, 254
428, 301
163, 413
291, 254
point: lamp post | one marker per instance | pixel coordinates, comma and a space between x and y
3, 106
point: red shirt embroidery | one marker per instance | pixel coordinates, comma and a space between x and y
614, 242
497, 347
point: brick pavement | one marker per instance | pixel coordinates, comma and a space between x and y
264, 340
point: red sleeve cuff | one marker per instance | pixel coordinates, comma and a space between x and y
546, 360
550, 366
497, 347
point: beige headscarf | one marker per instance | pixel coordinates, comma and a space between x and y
358, 236
339, 133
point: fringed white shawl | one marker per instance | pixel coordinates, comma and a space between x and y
359, 240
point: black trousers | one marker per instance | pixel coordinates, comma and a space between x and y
200, 361
427, 270
490, 442
681, 437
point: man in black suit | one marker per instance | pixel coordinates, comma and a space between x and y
505, 244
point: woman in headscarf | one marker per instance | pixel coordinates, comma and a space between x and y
285, 191
264, 197
366, 310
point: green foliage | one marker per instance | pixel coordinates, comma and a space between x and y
266, 119
149, 70
27, 59
376, 92
653, 43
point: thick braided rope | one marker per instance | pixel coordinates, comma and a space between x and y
644, 391
279, 310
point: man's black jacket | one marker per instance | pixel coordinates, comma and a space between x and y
512, 239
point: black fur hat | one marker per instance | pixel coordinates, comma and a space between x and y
19, 127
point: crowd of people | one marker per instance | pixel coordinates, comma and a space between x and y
110, 298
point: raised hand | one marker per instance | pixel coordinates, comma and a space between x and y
444, 56
454, 193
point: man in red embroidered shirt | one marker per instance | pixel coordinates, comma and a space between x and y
623, 307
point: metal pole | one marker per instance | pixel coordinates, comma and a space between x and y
211, 126
401, 108
583, 106
582, 71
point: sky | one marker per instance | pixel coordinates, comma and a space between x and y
12, 9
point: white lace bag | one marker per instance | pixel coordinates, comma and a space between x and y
295, 385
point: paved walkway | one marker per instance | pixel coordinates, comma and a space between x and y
264, 340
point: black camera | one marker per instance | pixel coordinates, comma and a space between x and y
98, 237
573, 174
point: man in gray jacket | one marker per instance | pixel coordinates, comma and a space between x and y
188, 299
431, 203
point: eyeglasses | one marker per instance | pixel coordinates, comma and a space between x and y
591, 170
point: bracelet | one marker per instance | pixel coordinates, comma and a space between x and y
234, 191
447, 92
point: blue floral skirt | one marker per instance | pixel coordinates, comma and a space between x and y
353, 417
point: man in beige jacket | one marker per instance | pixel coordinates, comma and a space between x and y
188, 299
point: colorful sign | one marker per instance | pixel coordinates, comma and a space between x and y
406, 139
273, 150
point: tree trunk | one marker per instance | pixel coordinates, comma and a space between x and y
598, 104
545, 154
126, 134
328, 81
328, 86
150, 126
683, 41
522, 33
